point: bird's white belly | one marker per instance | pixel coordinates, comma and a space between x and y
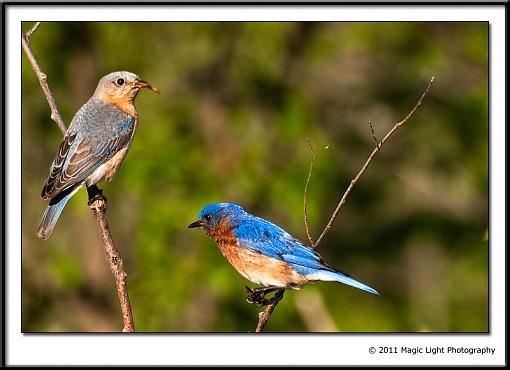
262, 278
106, 171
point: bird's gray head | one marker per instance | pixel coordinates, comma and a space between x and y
213, 216
119, 87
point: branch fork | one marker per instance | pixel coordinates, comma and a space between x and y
264, 316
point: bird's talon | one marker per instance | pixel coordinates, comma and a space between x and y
253, 296
96, 197
256, 297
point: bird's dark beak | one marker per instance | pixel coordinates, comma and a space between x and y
198, 223
141, 84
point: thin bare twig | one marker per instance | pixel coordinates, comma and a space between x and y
97, 202
377, 143
32, 30
367, 163
43, 79
308, 234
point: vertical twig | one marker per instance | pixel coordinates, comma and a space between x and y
307, 228
97, 201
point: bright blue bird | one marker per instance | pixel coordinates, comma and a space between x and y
95, 143
266, 254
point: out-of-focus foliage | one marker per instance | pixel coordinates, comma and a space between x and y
238, 102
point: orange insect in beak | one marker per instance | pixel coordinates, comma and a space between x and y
141, 84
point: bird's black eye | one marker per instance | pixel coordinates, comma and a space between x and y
120, 81
208, 217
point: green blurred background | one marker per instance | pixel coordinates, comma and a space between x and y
238, 103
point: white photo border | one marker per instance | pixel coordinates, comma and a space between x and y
267, 348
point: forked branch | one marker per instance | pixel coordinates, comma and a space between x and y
377, 148
264, 316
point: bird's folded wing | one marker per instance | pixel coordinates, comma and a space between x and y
269, 239
306, 263
78, 158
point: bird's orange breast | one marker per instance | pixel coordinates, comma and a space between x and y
256, 266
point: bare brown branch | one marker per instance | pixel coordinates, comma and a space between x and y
43, 79
308, 234
264, 315
367, 163
97, 201
32, 30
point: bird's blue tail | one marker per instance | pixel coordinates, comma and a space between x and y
330, 275
52, 213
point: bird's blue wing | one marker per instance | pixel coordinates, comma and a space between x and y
265, 237
271, 240
85, 148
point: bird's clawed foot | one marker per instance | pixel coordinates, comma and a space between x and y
257, 296
95, 194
